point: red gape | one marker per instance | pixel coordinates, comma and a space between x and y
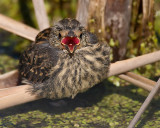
71, 42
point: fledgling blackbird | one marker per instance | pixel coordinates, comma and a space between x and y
64, 60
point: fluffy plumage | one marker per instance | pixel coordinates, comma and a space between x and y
64, 60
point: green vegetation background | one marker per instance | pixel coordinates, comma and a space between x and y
103, 106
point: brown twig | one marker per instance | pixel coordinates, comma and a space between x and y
9, 79
15, 95
136, 82
18, 28
41, 14
141, 78
82, 12
116, 69
130, 64
145, 105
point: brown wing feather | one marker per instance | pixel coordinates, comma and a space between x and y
43, 35
37, 60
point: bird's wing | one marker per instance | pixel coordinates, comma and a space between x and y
43, 35
36, 62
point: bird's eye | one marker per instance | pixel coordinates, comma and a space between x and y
80, 36
59, 36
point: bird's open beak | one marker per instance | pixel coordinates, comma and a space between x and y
70, 43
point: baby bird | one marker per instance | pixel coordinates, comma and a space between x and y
64, 60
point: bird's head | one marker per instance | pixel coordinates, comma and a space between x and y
68, 34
